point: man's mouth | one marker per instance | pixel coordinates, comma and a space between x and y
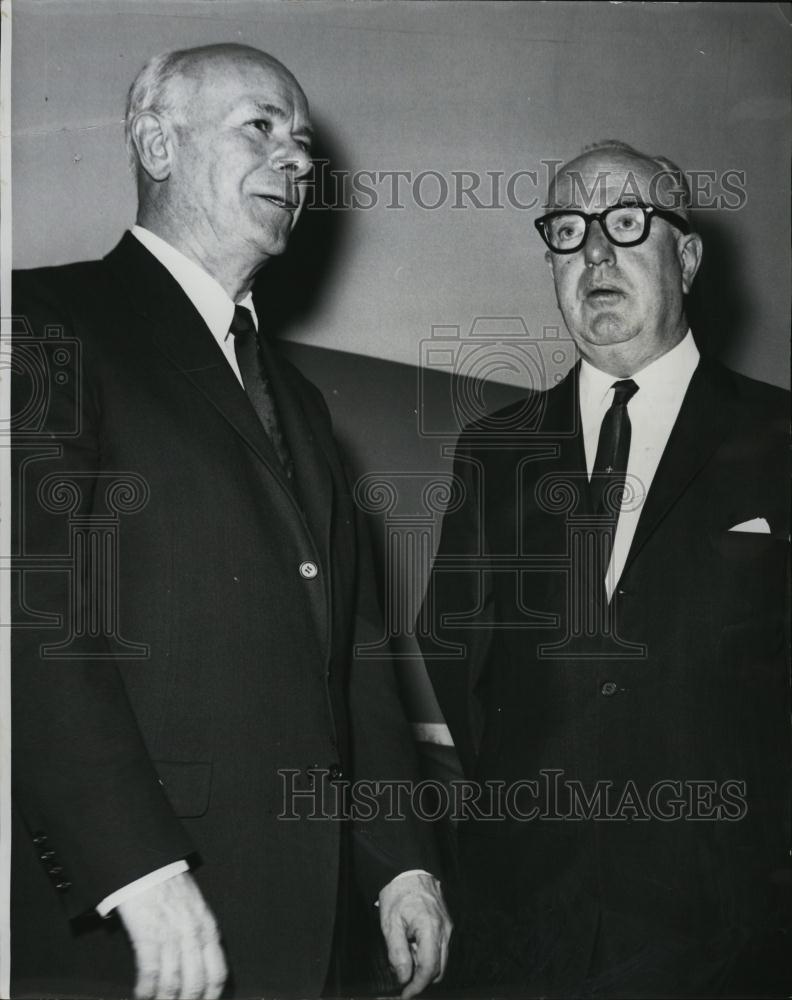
604, 295
287, 204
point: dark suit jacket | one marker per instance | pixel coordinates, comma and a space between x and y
198, 660
684, 678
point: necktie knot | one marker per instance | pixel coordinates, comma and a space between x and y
623, 391
242, 324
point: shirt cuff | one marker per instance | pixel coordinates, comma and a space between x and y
412, 871
109, 903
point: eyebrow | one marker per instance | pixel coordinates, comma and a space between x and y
274, 111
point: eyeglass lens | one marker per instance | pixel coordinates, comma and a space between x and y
623, 224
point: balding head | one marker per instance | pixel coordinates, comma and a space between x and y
167, 81
655, 179
220, 137
620, 282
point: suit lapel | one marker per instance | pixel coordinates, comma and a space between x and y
562, 422
572, 462
704, 419
179, 332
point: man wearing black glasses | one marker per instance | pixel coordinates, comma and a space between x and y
611, 593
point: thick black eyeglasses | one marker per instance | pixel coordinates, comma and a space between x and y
566, 230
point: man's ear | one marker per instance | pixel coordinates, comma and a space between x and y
689, 251
153, 145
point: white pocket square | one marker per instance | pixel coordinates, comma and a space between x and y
757, 525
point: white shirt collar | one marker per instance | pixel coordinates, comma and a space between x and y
207, 295
672, 370
653, 412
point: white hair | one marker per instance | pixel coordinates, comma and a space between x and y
156, 87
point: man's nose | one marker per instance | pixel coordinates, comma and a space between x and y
294, 160
598, 249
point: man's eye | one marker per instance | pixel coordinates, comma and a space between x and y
566, 231
263, 125
304, 145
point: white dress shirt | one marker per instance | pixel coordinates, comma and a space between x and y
217, 311
653, 411
208, 297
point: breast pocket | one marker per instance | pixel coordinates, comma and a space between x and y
187, 784
741, 547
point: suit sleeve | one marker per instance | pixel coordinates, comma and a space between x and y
82, 778
390, 837
457, 609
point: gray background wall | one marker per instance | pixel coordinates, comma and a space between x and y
444, 87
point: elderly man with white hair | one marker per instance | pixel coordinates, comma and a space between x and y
187, 699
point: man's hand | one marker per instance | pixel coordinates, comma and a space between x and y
176, 942
417, 928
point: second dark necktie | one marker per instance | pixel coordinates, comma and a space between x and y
613, 451
257, 385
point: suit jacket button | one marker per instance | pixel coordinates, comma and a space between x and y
335, 772
47, 855
55, 871
62, 886
39, 839
609, 688
308, 570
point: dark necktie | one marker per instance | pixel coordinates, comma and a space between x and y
613, 450
257, 385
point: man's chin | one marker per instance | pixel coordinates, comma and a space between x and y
607, 329
275, 243
276, 249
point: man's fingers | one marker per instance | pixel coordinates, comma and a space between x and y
176, 942
399, 954
427, 962
445, 939
213, 964
193, 972
416, 963
215, 968
170, 971
417, 929
147, 964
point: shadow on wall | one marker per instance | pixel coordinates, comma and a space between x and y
719, 306
291, 287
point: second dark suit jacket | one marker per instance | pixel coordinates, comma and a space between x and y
154, 708
684, 679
